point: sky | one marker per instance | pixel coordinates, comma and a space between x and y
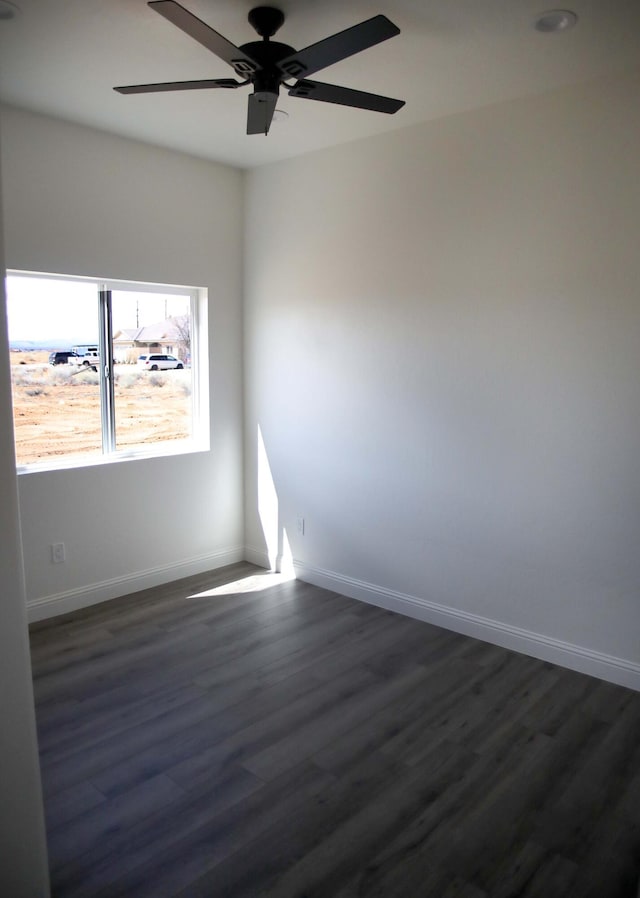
63, 313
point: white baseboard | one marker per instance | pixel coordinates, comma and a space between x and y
74, 599
574, 657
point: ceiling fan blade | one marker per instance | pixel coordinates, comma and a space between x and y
262, 105
199, 31
338, 46
344, 96
178, 85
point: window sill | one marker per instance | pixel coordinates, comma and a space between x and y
182, 447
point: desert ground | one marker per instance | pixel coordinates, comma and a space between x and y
56, 409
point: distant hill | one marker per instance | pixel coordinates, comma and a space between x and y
38, 345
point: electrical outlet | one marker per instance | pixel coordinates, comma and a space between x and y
58, 555
300, 525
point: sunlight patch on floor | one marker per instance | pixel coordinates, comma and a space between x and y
253, 583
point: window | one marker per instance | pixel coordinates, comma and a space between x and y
102, 368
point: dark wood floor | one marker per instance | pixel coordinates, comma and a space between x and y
287, 741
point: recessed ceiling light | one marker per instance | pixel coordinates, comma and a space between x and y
8, 11
555, 20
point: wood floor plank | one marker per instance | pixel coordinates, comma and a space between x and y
513, 873
192, 755
250, 739
72, 840
79, 765
88, 726
235, 734
146, 637
72, 802
126, 851
381, 729
184, 859
440, 828
255, 867
333, 655
300, 743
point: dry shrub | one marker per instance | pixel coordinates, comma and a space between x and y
128, 379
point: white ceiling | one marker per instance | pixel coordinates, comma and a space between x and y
63, 57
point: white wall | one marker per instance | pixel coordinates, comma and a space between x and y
442, 332
23, 852
81, 202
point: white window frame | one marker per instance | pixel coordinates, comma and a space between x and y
199, 441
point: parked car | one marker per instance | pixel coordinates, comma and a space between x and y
159, 362
85, 360
61, 358
86, 349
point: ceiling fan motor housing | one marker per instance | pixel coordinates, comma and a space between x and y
267, 54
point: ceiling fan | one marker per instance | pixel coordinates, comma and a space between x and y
267, 64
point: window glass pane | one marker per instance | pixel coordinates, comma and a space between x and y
56, 390
152, 372
62, 400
